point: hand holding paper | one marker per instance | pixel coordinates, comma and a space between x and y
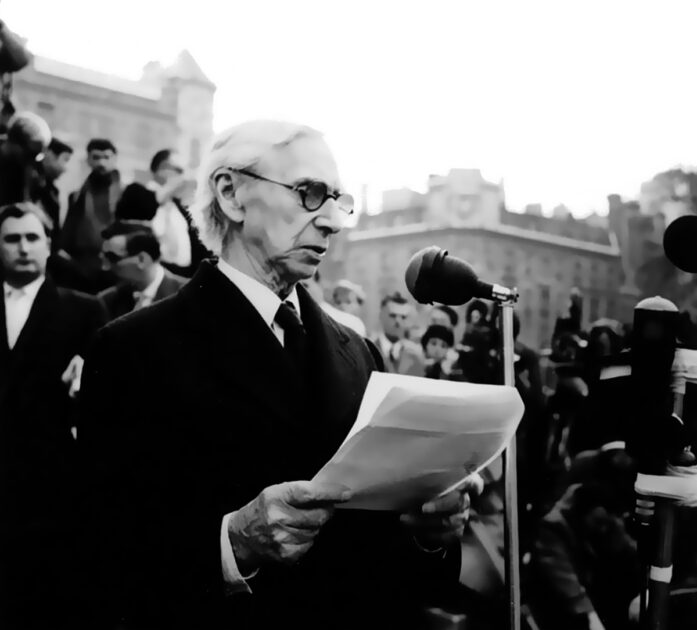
417, 438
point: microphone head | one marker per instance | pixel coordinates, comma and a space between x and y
432, 276
680, 243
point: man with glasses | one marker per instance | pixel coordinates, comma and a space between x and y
203, 514
131, 252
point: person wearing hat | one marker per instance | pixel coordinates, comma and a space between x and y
437, 341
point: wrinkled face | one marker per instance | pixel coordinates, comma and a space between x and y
438, 317
394, 318
436, 349
101, 162
24, 248
283, 239
56, 165
116, 259
348, 302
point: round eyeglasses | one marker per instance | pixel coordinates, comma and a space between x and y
313, 194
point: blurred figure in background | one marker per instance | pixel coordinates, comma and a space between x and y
53, 165
437, 342
132, 253
585, 569
160, 203
399, 354
443, 315
348, 297
478, 351
314, 287
90, 211
28, 137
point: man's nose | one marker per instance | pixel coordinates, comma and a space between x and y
23, 246
330, 217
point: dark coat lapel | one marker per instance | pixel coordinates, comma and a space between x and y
168, 286
40, 325
4, 350
237, 344
337, 384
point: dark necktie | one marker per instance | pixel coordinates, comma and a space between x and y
294, 335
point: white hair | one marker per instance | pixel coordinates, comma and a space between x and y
240, 147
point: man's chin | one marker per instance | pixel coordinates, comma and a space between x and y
23, 275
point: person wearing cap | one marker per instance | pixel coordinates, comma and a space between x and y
207, 416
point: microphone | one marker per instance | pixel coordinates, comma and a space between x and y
680, 243
433, 276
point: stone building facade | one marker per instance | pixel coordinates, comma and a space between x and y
168, 107
543, 257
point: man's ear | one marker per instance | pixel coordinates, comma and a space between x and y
144, 260
225, 194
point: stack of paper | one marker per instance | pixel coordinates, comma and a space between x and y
415, 438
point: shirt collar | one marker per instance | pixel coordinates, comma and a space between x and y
29, 290
386, 345
151, 290
263, 299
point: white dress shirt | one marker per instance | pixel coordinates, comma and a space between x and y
147, 296
266, 302
171, 229
389, 349
18, 303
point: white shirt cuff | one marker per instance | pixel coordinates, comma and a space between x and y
235, 582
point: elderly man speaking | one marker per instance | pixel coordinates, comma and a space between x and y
206, 415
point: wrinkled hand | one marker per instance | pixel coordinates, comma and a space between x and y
280, 525
442, 520
73, 375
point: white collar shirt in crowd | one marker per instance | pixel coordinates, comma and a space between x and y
388, 348
18, 303
263, 299
147, 296
171, 229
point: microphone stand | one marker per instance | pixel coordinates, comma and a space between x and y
506, 298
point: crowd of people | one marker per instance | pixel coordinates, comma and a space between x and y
161, 488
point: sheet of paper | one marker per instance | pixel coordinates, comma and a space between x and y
415, 438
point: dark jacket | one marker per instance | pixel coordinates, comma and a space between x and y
37, 455
583, 561
183, 423
119, 300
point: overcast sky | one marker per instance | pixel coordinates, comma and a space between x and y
566, 101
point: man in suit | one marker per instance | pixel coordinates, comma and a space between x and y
44, 331
399, 354
132, 253
91, 209
203, 514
